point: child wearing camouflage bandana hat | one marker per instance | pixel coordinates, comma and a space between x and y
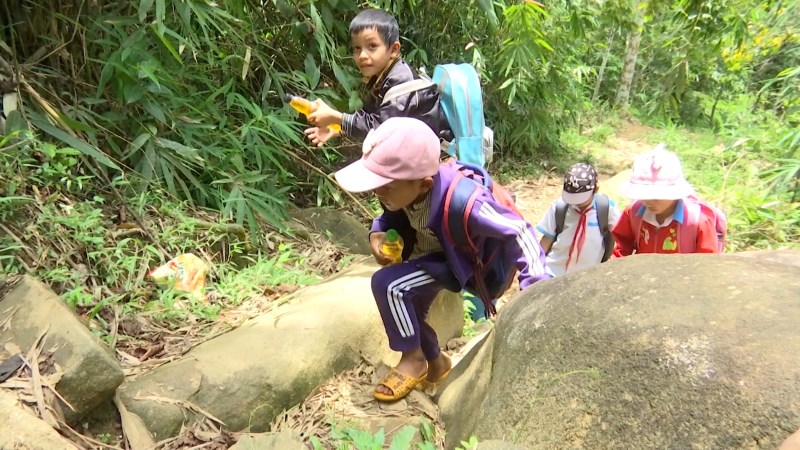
579, 244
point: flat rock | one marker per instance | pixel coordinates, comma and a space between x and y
91, 373
20, 429
250, 375
338, 226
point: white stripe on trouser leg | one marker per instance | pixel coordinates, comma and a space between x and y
399, 312
394, 294
524, 238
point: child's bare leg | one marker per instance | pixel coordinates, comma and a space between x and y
438, 364
411, 364
438, 367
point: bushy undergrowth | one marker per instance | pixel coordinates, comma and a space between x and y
748, 169
95, 247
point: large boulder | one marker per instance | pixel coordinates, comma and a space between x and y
248, 376
91, 373
446, 316
20, 429
784, 256
341, 228
650, 351
464, 390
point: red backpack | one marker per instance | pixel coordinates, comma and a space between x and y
693, 208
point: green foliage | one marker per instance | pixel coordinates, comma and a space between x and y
469, 444
80, 243
186, 95
283, 269
348, 437
469, 324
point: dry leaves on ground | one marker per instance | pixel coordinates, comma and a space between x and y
346, 401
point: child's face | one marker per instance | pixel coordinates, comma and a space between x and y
400, 194
370, 53
659, 206
585, 204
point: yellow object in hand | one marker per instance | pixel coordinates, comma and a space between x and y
305, 107
392, 246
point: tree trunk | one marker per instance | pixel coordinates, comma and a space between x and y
629, 67
601, 74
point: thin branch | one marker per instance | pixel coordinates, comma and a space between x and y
366, 212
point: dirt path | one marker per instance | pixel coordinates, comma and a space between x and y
534, 196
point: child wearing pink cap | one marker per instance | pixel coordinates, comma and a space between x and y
663, 218
400, 164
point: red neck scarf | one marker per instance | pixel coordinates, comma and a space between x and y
580, 236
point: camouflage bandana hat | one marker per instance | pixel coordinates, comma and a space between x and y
580, 182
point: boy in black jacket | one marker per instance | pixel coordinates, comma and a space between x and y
375, 42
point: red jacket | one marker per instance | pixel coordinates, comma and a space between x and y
652, 239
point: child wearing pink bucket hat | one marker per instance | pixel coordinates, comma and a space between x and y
400, 164
665, 216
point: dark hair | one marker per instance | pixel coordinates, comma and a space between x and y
377, 19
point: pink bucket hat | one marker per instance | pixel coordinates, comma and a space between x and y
657, 175
401, 148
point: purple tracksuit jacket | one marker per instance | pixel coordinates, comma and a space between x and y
487, 219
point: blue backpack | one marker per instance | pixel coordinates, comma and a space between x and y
462, 103
494, 272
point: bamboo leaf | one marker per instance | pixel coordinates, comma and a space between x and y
144, 8
246, 65
73, 142
158, 30
312, 71
161, 13
155, 111
191, 154
137, 144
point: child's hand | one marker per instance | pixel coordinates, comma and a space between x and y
375, 241
323, 115
319, 136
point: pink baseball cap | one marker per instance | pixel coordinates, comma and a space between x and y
401, 148
657, 175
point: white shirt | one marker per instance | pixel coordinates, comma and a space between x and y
592, 252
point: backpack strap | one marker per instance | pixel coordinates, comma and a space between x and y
477, 173
636, 222
458, 202
561, 216
602, 203
687, 231
406, 88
